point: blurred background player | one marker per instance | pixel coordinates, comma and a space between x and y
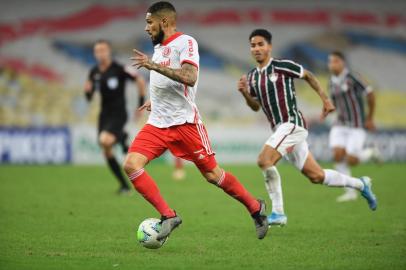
109, 78
179, 172
271, 86
348, 134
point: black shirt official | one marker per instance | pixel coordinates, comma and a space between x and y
111, 85
109, 79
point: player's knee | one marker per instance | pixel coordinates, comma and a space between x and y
214, 175
352, 160
338, 156
132, 164
211, 177
105, 143
264, 162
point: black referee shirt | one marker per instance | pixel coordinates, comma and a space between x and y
111, 85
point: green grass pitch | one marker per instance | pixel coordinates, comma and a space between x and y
67, 217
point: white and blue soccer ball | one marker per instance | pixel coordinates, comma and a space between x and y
147, 233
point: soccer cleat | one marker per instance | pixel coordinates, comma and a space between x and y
367, 193
261, 221
277, 219
167, 226
349, 195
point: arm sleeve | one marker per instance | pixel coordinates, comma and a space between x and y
189, 52
361, 84
290, 68
251, 86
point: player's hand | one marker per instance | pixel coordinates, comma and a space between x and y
243, 84
88, 86
328, 107
141, 60
146, 106
370, 125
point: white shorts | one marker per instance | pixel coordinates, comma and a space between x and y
350, 138
290, 141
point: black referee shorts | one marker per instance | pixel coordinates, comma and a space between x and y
112, 124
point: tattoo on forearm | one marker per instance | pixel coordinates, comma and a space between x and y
187, 74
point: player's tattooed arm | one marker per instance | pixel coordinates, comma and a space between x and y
187, 74
243, 88
328, 106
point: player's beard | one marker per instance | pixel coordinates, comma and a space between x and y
159, 38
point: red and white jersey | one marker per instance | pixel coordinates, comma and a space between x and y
173, 103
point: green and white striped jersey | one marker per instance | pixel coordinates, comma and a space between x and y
273, 86
348, 94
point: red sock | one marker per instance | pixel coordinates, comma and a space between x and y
146, 186
230, 184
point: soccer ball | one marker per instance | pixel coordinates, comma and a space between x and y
147, 233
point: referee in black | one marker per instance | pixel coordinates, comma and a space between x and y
109, 78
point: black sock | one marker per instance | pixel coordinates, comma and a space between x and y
116, 169
123, 142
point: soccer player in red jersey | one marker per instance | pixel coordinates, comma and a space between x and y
174, 122
270, 86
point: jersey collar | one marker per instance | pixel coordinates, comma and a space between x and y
171, 38
340, 77
265, 67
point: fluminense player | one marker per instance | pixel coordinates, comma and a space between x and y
270, 86
347, 136
174, 122
109, 78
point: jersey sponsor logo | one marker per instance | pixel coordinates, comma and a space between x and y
112, 83
190, 47
166, 51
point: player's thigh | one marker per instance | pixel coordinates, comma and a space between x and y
107, 139
268, 157
339, 154
356, 144
312, 170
